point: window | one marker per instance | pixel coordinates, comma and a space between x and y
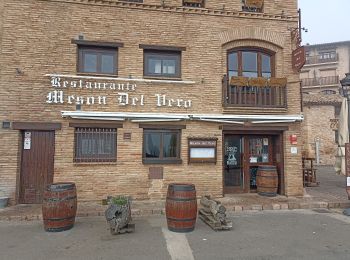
327, 55
252, 5
193, 3
99, 60
259, 150
328, 92
250, 63
161, 146
95, 144
162, 64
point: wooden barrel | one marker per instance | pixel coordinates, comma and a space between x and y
59, 206
267, 180
181, 207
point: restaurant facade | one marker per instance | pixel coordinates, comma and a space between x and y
125, 97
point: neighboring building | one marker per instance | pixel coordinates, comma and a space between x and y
325, 65
125, 97
320, 126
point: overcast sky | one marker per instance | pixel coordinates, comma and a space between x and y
326, 20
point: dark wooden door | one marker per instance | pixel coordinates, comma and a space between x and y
37, 165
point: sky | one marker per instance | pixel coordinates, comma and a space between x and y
326, 20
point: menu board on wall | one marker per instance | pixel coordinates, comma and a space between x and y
202, 150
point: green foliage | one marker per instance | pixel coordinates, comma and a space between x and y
120, 200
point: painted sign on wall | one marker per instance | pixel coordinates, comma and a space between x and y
124, 94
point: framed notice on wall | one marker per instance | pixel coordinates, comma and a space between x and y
202, 150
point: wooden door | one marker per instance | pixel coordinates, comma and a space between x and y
37, 165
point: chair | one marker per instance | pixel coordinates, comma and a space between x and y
309, 172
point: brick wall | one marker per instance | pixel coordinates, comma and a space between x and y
36, 39
317, 126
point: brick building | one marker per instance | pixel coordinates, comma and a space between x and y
125, 97
326, 64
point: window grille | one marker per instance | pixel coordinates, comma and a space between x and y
95, 144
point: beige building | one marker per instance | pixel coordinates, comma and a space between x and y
325, 65
125, 97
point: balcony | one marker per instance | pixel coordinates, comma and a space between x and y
321, 81
254, 92
321, 59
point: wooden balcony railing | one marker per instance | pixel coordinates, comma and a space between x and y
321, 81
254, 92
193, 3
320, 59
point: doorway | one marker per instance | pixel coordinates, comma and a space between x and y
37, 164
243, 153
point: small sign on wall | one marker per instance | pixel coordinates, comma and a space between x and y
294, 150
27, 140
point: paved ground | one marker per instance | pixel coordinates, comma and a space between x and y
291, 234
332, 187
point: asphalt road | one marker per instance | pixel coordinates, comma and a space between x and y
297, 234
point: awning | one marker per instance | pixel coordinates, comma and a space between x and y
170, 117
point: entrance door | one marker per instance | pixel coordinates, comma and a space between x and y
233, 164
37, 164
242, 155
259, 152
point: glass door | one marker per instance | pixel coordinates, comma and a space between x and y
233, 164
259, 153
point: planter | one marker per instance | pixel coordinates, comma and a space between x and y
118, 215
3, 202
